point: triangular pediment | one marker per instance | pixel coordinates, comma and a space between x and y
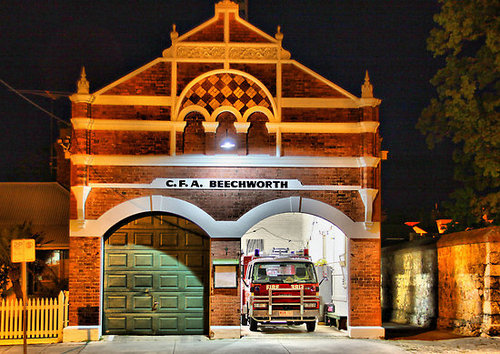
226, 41
226, 26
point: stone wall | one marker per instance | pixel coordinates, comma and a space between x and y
469, 282
409, 283
453, 283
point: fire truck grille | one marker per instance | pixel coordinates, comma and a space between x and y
289, 293
285, 307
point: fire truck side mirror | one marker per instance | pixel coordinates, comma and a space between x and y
322, 280
244, 282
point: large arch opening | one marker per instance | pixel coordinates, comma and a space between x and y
155, 276
326, 244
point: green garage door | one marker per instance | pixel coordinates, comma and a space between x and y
155, 278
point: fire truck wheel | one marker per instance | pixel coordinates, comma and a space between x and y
253, 324
244, 320
311, 326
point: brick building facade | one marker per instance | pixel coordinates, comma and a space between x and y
197, 146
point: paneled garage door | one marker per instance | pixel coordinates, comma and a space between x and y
155, 278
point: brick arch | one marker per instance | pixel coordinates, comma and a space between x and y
257, 137
229, 87
193, 136
193, 108
222, 109
258, 109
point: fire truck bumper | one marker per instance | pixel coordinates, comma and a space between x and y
281, 315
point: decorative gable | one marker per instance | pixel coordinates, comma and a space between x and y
227, 44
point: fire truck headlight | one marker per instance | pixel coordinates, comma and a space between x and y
310, 305
259, 305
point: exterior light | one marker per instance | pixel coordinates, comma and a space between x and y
227, 143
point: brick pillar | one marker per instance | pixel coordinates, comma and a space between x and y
84, 280
224, 303
364, 293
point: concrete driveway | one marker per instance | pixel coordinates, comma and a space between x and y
282, 340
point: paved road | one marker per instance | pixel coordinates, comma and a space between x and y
291, 340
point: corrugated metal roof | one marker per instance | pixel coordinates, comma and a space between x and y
45, 205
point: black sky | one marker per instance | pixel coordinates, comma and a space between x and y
43, 45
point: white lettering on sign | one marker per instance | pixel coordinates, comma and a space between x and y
207, 183
297, 286
225, 183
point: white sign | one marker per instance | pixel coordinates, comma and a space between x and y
225, 183
22, 250
225, 277
207, 183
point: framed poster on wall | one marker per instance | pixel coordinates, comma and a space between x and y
226, 273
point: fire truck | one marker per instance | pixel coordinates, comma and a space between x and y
280, 289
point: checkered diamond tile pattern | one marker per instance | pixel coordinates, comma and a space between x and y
226, 90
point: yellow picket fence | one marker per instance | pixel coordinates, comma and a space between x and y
46, 319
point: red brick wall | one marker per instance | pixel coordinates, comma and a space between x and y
130, 112
370, 114
211, 33
364, 276
265, 73
240, 33
326, 115
123, 142
225, 207
143, 174
152, 81
80, 109
325, 144
186, 72
84, 280
101, 200
257, 141
224, 303
298, 83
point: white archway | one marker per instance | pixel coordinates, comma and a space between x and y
214, 228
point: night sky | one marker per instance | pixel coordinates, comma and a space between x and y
45, 43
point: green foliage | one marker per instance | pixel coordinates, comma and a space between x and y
466, 109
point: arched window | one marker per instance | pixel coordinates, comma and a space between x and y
257, 135
193, 137
226, 137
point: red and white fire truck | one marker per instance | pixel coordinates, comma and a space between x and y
279, 289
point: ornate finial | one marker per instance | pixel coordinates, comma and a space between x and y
173, 33
367, 88
278, 35
83, 84
227, 5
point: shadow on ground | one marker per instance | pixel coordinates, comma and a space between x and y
298, 331
396, 331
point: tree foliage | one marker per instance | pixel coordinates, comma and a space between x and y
466, 107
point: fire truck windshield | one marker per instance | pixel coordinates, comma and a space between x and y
283, 272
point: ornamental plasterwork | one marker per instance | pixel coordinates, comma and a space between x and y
253, 53
201, 52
